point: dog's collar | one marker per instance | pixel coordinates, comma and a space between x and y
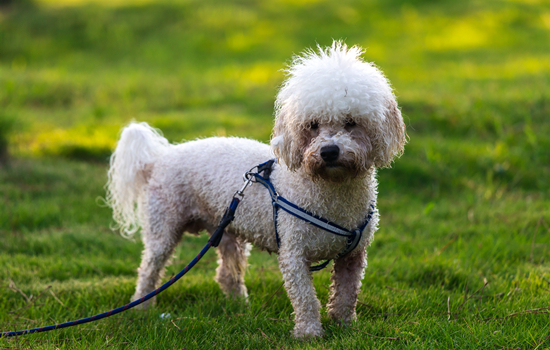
353, 237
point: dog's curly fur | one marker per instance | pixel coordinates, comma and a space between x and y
331, 101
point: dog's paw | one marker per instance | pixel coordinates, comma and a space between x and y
344, 318
236, 292
308, 331
145, 305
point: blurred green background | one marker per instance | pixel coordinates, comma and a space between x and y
471, 76
468, 202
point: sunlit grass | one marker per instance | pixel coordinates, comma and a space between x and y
79, 142
108, 3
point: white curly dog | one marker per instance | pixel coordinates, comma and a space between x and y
336, 121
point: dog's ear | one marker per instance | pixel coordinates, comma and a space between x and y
283, 142
394, 136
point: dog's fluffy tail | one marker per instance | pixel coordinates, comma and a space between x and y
131, 163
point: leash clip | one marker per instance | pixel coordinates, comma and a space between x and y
240, 192
248, 178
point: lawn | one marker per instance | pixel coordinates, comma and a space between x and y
462, 256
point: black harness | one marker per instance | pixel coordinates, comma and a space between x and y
279, 202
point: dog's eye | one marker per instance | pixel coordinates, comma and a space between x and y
314, 125
350, 123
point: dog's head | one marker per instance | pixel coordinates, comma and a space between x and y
336, 115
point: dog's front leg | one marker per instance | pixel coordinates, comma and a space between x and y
301, 292
346, 279
232, 252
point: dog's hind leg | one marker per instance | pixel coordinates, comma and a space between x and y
346, 282
161, 233
155, 256
232, 253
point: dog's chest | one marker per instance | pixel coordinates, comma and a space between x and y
341, 205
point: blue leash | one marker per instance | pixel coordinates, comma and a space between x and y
214, 241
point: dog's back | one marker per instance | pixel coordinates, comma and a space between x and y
187, 178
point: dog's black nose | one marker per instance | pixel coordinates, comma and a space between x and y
330, 153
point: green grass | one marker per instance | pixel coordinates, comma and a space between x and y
463, 245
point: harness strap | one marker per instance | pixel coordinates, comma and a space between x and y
353, 237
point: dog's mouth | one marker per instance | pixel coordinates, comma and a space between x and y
335, 171
332, 165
